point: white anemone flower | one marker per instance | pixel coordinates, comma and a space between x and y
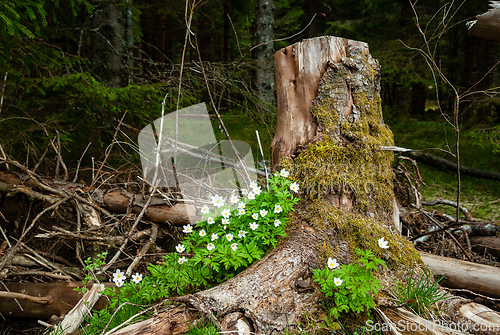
118, 283
241, 211
383, 243
338, 281
251, 196
332, 263
204, 210
137, 278
180, 248
234, 246
214, 236
229, 237
255, 216
234, 199
225, 221
182, 260
253, 185
263, 212
277, 223
187, 229
295, 187
217, 201
241, 205
277, 208
202, 233
226, 212
242, 233
210, 246
257, 190
119, 275
244, 191
210, 220
254, 226
284, 173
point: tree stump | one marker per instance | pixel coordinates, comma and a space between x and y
329, 137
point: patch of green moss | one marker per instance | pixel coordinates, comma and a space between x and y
348, 158
363, 233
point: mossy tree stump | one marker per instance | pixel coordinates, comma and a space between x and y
329, 136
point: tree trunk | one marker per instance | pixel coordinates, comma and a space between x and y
328, 136
109, 44
264, 77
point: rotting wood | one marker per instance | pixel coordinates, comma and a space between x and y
299, 68
479, 278
82, 309
179, 214
61, 299
486, 245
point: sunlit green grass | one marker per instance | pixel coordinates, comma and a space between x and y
480, 196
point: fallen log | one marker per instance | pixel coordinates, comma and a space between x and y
59, 299
179, 214
82, 309
478, 278
444, 163
486, 244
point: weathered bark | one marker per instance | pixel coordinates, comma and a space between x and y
299, 69
109, 45
177, 215
83, 308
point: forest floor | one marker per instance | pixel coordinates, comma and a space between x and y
480, 196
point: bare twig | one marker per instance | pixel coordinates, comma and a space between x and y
12, 250
79, 162
145, 248
131, 231
43, 156
108, 151
41, 273
38, 300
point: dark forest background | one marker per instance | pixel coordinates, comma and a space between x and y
71, 69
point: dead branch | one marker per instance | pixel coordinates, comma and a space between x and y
14, 295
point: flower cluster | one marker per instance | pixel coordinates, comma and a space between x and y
235, 231
356, 293
119, 278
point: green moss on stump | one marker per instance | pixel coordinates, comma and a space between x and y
347, 157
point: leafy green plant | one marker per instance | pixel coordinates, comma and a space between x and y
225, 243
352, 285
124, 302
90, 275
204, 328
228, 240
420, 294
